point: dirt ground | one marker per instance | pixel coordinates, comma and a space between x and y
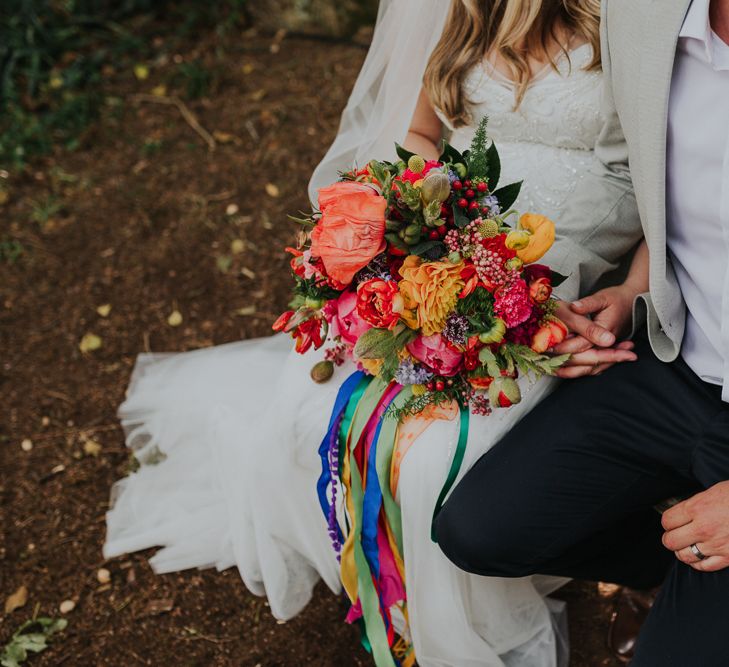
141, 223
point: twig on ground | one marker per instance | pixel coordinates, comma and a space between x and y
185, 112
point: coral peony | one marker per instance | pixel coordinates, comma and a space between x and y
435, 353
430, 292
351, 231
379, 303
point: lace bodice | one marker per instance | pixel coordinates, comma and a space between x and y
548, 141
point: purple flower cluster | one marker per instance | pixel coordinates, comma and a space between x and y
455, 329
492, 203
411, 373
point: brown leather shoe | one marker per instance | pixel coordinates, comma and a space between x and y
631, 609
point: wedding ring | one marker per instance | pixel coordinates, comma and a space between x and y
697, 552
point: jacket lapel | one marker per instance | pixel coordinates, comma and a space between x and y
657, 60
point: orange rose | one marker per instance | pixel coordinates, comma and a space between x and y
379, 303
351, 231
540, 290
430, 292
551, 333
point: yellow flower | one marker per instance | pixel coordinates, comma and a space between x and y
372, 366
541, 229
430, 291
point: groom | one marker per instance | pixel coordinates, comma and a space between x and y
571, 489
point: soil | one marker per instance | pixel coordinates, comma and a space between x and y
146, 218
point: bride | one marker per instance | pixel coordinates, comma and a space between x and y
228, 436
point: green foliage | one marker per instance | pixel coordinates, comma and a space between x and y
10, 250
196, 79
51, 57
31, 637
478, 309
528, 361
478, 155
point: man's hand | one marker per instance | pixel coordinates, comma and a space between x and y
592, 344
702, 520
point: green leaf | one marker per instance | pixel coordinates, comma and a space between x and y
488, 359
460, 217
508, 195
450, 155
558, 278
403, 153
375, 344
494, 166
425, 246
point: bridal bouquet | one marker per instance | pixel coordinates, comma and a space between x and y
421, 273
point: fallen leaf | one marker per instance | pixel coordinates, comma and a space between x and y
92, 448
175, 318
104, 309
258, 95
248, 68
67, 606
4, 197
89, 343
223, 137
247, 310
159, 91
157, 607
231, 209
16, 600
141, 72
223, 262
272, 190
237, 246
26, 445
248, 273
103, 576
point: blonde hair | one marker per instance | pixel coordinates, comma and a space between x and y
512, 28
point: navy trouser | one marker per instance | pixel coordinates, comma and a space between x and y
570, 491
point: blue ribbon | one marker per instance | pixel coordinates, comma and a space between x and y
340, 405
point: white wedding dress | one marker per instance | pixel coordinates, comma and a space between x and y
228, 436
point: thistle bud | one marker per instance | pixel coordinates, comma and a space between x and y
504, 392
489, 229
416, 164
322, 372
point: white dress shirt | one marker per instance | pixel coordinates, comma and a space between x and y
698, 192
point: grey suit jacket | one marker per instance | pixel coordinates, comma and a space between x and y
624, 196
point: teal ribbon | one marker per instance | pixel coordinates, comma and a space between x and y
454, 470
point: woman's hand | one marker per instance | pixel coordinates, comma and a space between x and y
596, 322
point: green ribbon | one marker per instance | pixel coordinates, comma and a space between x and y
455, 468
368, 597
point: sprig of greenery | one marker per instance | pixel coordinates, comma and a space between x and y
478, 161
528, 361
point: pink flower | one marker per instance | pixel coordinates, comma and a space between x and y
512, 303
409, 175
435, 353
346, 321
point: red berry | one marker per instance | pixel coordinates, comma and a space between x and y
440, 385
444, 211
484, 209
468, 184
424, 230
430, 386
434, 235
482, 187
442, 230
470, 194
463, 203
457, 185
473, 206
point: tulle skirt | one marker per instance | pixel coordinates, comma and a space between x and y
227, 438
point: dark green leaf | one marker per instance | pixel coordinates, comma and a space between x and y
460, 217
508, 195
403, 153
450, 155
558, 278
395, 240
494, 166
